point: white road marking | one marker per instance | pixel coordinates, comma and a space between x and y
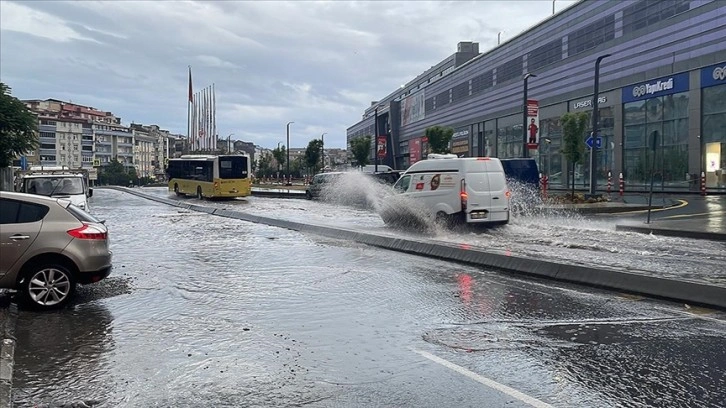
483, 380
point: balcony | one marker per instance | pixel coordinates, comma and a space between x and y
47, 139
46, 152
112, 132
46, 128
102, 143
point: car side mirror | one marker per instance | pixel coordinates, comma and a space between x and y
90, 192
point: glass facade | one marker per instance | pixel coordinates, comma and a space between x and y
713, 136
551, 161
667, 115
510, 139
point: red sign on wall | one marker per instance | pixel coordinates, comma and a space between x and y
382, 146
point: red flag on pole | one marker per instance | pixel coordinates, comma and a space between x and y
191, 94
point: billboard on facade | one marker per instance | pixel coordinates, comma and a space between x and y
413, 108
532, 123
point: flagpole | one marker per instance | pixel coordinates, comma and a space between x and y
214, 113
189, 107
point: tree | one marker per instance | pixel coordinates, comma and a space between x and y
574, 126
279, 155
312, 154
18, 127
115, 174
439, 138
360, 148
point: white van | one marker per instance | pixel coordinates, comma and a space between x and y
452, 189
71, 186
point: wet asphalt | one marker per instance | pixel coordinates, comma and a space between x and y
213, 312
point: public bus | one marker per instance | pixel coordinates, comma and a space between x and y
210, 176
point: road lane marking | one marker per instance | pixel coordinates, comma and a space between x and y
694, 215
682, 204
483, 380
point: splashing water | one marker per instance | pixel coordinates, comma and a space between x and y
356, 189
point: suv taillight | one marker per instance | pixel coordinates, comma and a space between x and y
88, 231
464, 196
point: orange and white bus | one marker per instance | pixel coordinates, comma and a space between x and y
210, 176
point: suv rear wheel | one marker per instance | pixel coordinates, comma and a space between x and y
47, 286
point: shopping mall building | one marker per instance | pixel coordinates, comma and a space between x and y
666, 72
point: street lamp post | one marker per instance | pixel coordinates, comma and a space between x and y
525, 150
289, 179
322, 148
595, 120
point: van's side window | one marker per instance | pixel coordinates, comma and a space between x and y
402, 184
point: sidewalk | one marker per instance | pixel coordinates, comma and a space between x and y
8, 314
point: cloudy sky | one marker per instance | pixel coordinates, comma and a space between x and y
319, 64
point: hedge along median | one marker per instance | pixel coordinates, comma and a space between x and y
689, 292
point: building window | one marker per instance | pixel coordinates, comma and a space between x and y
509, 70
442, 99
47, 146
645, 13
460, 92
713, 134
668, 115
545, 55
482, 82
510, 139
591, 36
47, 134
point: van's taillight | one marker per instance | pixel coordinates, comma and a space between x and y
464, 196
88, 232
508, 194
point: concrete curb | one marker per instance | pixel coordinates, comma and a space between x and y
8, 316
713, 236
692, 293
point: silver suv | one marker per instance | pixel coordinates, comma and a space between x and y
47, 246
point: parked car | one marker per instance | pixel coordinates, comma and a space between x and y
448, 189
48, 246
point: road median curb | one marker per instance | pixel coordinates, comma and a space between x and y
670, 232
681, 291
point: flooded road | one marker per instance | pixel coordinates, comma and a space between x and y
207, 311
561, 237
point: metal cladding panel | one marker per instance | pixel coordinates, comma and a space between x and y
699, 35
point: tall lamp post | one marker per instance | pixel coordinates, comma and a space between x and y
289, 179
525, 150
322, 148
595, 120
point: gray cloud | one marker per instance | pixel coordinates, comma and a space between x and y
316, 63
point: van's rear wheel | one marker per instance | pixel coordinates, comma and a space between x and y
199, 193
176, 190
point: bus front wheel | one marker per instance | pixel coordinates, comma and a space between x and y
199, 193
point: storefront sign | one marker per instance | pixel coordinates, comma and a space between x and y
713, 75
587, 103
460, 142
657, 87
